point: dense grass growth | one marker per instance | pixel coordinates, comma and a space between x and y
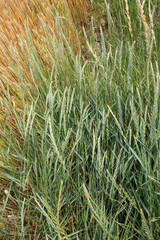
80, 121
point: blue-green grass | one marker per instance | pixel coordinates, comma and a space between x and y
82, 155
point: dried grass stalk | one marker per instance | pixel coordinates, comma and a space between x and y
144, 22
151, 20
129, 19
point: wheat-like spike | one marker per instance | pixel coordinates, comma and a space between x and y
129, 19
145, 226
152, 24
143, 17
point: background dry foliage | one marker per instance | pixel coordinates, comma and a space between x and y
16, 16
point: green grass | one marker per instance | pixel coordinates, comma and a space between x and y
81, 158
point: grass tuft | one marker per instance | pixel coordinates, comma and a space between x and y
79, 120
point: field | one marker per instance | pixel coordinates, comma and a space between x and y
79, 119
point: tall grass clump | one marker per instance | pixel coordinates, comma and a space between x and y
79, 120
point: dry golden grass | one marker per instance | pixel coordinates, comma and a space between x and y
152, 24
15, 16
129, 19
143, 17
